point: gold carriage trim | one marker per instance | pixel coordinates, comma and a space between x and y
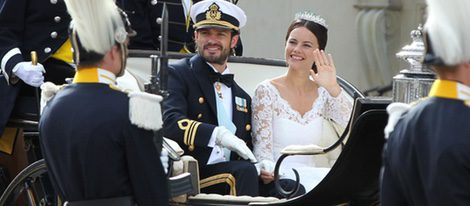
220, 178
7, 140
190, 129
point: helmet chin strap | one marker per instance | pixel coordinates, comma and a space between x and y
76, 52
124, 54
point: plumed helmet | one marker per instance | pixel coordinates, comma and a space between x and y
447, 32
97, 25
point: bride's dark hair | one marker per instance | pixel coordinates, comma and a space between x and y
318, 30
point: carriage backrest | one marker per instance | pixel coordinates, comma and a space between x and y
249, 71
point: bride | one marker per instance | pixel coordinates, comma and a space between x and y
288, 110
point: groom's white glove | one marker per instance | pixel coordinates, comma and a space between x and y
266, 165
29, 73
224, 138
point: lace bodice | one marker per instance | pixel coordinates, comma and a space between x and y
276, 124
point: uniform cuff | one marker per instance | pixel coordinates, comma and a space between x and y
8, 62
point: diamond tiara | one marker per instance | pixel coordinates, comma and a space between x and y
310, 16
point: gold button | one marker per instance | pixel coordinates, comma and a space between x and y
248, 127
199, 116
191, 148
201, 100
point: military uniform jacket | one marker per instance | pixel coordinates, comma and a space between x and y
27, 25
93, 151
143, 15
427, 157
190, 109
39, 25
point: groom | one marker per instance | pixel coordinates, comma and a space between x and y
206, 112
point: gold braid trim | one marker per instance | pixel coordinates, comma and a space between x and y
215, 22
190, 129
220, 178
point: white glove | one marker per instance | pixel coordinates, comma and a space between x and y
225, 138
395, 111
164, 159
266, 165
48, 91
29, 73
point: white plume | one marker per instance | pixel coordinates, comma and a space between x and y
448, 30
96, 22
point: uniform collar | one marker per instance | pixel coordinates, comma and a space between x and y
94, 75
226, 71
450, 90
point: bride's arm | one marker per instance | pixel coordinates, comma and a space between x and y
262, 132
262, 123
339, 108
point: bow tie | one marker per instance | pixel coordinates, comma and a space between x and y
226, 79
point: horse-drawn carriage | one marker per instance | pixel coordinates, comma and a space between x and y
354, 177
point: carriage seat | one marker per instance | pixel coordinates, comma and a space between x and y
187, 164
316, 151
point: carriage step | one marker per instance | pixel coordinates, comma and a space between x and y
181, 184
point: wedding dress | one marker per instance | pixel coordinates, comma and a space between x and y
276, 125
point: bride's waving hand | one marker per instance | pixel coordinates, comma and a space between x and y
326, 72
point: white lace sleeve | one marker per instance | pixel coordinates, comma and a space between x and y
338, 108
262, 123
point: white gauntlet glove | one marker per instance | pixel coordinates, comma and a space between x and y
225, 138
29, 73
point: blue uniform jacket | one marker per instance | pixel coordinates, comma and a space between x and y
93, 151
190, 110
39, 25
143, 16
427, 157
